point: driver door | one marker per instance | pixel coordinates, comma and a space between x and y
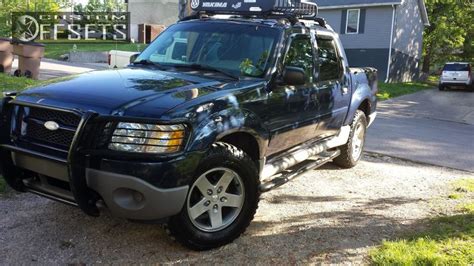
291, 111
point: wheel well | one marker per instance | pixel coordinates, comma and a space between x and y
365, 107
246, 142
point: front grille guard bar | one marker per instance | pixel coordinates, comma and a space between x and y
84, 196
76, 158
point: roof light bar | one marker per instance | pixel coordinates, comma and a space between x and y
299, 8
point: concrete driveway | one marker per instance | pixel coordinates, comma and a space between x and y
435, 127
51, 68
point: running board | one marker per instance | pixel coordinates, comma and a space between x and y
285, 178
302, 153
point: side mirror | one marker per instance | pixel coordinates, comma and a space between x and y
134, 57
294, 76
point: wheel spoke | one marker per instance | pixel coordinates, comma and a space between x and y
359, 130
216, 217
203, 185
225, 180
198, 209
234, 201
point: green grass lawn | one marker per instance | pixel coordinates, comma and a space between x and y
10, 83
392, 90
446, 241
55, 50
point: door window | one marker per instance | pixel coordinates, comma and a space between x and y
330, 65
300, 54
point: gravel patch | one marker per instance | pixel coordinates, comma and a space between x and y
328, 215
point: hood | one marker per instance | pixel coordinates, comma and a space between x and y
132, 91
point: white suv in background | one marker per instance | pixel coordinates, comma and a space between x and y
456, 74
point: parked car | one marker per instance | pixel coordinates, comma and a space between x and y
194, 138
121, 59
456, 74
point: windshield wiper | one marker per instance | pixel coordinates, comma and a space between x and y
207, 68
147, 62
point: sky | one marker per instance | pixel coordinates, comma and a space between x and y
80, 1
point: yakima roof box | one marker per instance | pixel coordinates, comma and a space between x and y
256, 7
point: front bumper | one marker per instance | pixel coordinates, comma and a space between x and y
134, 188
132, 198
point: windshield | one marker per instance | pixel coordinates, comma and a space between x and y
236, 49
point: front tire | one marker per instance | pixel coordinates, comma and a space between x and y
351, 152
441, 87
221, 202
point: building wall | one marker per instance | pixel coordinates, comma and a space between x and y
408, 30
404, 68
407, 43
376, 32
369, 58
162, 12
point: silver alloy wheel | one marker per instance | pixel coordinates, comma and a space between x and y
215, 200
358, 141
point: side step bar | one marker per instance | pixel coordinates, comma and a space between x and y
302, 153
285, 178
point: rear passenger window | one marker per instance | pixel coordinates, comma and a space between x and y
330, 65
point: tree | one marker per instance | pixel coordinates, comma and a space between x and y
103, 6
9, 6
450, 34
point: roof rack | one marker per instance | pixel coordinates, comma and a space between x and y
256, 8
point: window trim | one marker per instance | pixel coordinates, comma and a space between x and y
358, 20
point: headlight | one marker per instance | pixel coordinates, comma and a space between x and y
147, 138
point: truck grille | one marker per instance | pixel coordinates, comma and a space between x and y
29, 126
59, 137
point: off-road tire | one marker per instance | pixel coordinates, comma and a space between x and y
346, 159
180, 226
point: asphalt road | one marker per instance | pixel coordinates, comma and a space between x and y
435, 127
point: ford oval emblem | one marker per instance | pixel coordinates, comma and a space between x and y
51, 125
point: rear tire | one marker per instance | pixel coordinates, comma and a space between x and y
441, 87
352, 152
218, 211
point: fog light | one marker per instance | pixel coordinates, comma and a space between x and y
129, 199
